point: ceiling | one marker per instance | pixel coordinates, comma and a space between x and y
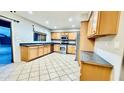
56, 19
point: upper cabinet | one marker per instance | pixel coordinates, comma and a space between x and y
103, 23
55, 35
70, 35
64, 33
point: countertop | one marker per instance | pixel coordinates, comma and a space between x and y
94, 59
39, 44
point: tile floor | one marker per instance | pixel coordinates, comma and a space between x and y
52, 67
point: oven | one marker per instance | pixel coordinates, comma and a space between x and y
63, 48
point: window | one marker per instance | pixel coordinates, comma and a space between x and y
39, 36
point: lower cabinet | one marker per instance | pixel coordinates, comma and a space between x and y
31, 52
56, 47
41, 51
91, 72
45, 50
71, 49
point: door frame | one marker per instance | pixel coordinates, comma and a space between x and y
11, 34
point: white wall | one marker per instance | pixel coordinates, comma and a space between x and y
23, 33
111, 48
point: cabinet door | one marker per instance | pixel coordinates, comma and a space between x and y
57, 48
48, 48
62, 33
73, 49
69, 50
40, 52
89, 33
33, 52
94, 22
109, 21
45, 50
65, 33
72, 36
58, 35
53, 35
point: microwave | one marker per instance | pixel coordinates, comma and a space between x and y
64, 38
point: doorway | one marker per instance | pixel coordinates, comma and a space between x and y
6, 54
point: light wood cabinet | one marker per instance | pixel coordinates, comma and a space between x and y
71, 49
85, 43
56, 48
92, 72
103, 23
72, 36
41, 51
31, 52
48, 48
55, 35
64, 33
45, 50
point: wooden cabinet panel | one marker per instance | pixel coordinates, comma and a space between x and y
64, 33
71, 49
41, 51
108, 22
72, 36
91, 72
56, 48
24, 53
45, 50
55, 35
48, 48
33, 52
85, 43
103, 23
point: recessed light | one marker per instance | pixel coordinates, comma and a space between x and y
70, 19
55, 27
30, 12
47, 22
73, 25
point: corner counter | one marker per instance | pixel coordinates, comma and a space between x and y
94, 68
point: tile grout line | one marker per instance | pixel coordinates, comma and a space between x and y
30, 71
47, 71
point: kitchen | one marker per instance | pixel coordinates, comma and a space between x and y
64, 46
